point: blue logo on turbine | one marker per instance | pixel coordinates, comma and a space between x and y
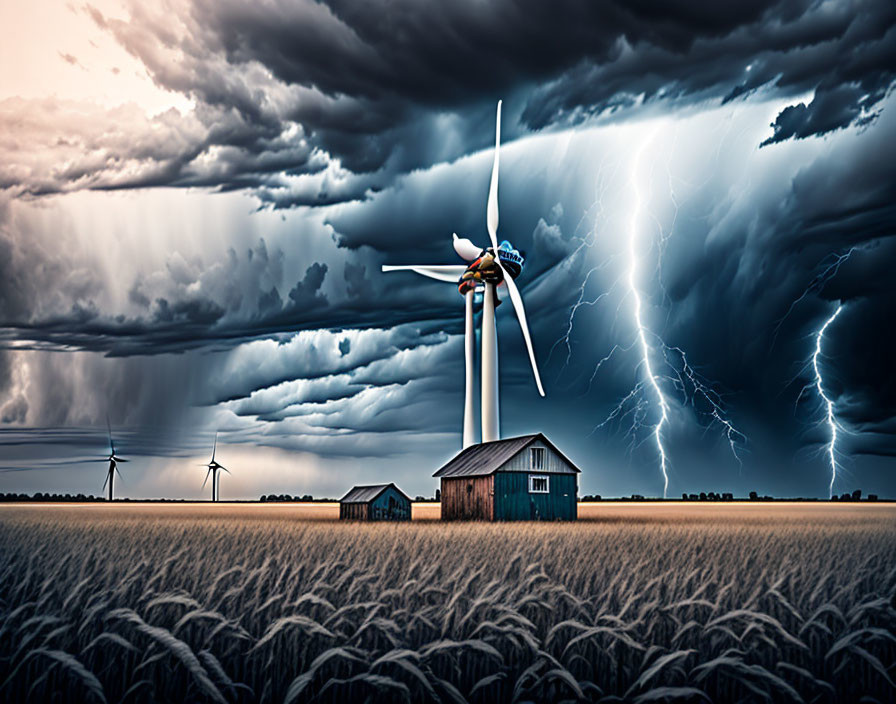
511, 259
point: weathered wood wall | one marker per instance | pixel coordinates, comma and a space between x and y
353, 512
468, 498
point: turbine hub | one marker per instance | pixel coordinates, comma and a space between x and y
485, 270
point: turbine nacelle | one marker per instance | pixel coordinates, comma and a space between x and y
489, 269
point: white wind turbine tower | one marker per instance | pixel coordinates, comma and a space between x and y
488, 270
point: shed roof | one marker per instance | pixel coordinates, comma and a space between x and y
366, 494
487, 457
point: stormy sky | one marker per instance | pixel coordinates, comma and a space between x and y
196, 199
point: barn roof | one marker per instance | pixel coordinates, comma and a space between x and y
366, 494
487, 457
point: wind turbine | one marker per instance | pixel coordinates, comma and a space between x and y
487, 271
213, 468
113, 463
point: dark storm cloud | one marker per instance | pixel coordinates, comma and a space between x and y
227, 316
844, 52
317, 103
310, 356
859, 358
297, 394
305, 292
771, 283
16, 280
38, 448
49, 298
197, 311
198, 323
828, 111
376, 75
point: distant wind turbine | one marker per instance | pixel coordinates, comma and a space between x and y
213, 468
113, 463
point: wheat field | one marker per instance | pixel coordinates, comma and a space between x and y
640, 603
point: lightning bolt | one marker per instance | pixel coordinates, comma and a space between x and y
816, 285
639, 323
829, 271
695, 389
830, 418
675, 370
586, 242
662, 368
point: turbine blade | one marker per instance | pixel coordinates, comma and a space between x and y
121, 459
517, 301
107, 480
491, 219
440, 272
206, 477
119, 474
215, 446
465, 248
224, 468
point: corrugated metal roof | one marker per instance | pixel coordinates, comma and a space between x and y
483, 458
487, 457
365, 494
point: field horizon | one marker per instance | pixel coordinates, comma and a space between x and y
430, 510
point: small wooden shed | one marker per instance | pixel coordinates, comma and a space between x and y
375, 502
517, 479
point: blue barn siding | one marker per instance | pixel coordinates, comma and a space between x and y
513, 502
380, 509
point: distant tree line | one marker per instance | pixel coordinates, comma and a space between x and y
40, 496
728, 496
273, 498
854, 496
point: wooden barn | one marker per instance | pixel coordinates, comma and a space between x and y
376, 502
518, 479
